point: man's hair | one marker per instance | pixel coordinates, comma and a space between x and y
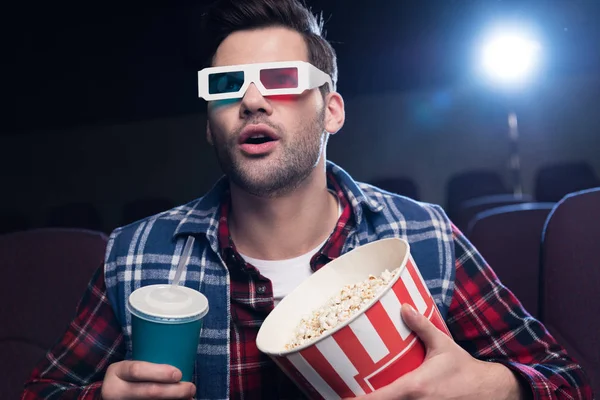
227, 16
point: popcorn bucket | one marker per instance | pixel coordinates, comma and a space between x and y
369, 350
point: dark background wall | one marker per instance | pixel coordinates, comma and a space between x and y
101, 107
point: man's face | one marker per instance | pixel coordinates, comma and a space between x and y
267, 145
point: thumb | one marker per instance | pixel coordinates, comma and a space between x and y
431, 336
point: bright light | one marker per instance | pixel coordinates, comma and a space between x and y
510, 58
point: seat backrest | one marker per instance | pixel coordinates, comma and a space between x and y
571, 277
403, 186
468, 185
554, 182
470, 208
45, 272
509, 238
17, 359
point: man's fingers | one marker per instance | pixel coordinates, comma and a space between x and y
148, 390
387, 392
431, 336
141, 371
397, 390
411, 385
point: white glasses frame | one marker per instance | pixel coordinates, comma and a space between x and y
309, 77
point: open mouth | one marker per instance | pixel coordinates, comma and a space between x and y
256, 135
259, 139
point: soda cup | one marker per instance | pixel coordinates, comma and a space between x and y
165, 325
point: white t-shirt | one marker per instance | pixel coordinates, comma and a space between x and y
286, 275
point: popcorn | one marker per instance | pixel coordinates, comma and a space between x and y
350, 301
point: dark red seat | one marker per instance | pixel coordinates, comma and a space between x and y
510, 238
45, 272
470, 208
571, 278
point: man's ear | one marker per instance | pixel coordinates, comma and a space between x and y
335, 115
208, 134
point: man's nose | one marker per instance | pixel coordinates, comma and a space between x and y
253, 103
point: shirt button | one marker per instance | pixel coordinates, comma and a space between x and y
261, 289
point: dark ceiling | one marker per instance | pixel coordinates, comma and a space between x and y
84, 64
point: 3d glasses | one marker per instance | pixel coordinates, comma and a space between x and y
271, 79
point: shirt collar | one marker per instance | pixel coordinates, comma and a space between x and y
202, 215
359, 200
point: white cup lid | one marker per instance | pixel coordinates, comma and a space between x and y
167, 302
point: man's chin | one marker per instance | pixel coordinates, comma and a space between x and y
257, 167
263, 185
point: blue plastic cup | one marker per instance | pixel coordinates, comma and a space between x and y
165, 325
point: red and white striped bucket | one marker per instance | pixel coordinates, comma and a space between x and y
370, 350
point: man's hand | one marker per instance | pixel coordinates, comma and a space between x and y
448, 372
142, 380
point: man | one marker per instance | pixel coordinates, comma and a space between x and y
281, 213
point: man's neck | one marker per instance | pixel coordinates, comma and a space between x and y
283, 227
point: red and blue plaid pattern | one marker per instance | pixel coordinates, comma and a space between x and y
482, 315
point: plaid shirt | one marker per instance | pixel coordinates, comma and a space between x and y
252, 372
483, 317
